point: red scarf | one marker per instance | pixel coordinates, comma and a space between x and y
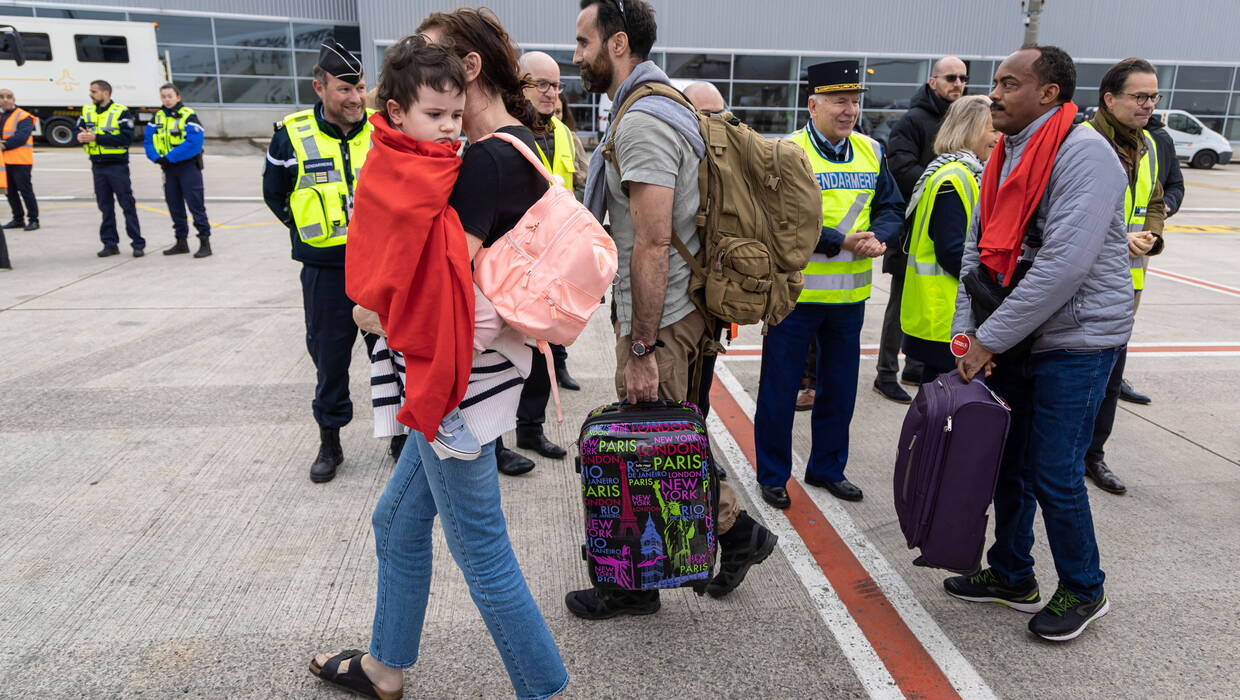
1003, 227
407, 260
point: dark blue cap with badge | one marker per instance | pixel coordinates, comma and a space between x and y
834, 76
336, 60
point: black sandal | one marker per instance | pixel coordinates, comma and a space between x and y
355, 679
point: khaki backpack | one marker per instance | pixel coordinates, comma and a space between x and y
759, 218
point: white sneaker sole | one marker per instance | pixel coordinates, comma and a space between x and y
1106, 608
444, 452
1029, 608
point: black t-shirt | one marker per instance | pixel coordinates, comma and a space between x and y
496, 186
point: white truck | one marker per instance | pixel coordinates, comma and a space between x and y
62, 57
1195, 142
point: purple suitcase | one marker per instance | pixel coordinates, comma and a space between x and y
947, 464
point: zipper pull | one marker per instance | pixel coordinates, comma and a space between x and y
948, 427
528, 275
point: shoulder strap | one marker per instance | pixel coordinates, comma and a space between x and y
646, 89
525, 151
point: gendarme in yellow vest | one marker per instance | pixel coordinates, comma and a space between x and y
322, 197
107, 123
847, 193
1137, 200
565, 164
170, 131
929, 299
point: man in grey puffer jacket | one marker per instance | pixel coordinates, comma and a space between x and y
1075, 304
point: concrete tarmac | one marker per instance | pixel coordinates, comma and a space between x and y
159, 536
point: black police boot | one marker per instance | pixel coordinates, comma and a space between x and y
178, 248
745, 545
564, 379
204, 247
330, 456
14, 223
595, 604
108, 250
397, 445
32, 225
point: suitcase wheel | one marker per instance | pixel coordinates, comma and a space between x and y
577, 463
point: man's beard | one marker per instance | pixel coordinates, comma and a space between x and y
596, 77
339, 115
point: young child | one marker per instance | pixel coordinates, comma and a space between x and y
421, 94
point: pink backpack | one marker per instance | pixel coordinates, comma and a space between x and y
548, 274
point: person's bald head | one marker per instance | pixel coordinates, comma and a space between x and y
543, 72
949, 77
706, 97
7, 100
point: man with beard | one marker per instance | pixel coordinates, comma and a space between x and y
308, 183
650, 192
105, 131
911, 150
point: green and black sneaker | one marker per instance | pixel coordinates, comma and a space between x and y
1067, 615
985, 587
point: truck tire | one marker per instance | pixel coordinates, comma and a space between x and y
59, 132
1204, 160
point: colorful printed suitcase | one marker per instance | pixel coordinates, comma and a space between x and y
947, 464
650, 492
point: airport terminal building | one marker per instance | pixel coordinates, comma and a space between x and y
246, 62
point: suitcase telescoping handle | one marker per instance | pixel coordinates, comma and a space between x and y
646, 405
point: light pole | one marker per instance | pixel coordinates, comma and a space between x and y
1032, 17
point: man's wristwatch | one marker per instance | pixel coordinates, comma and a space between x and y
642, 348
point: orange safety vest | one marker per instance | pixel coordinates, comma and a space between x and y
22, 155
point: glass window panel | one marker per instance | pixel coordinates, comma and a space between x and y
81, 14
17, 11
766, 121
175, 29
762, 95
235, 32
574, 92
698, 65
802, 118
980, 75
305, 62
564, 59
1204, 78
253, 62
1235, 104
312, 36
197, 88
892, 70
585, 118
1199, 102
889, 96
807, 61
257, 90
35, 47
1090, 74
1166, 75
95, 48
878, 125
1233, 130
764, 68
190, 59
305, 92
660, 59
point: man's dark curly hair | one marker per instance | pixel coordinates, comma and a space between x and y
1117, 75
1054, 65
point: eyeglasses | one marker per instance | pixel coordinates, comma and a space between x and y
963, 78
547, 87
1142, 98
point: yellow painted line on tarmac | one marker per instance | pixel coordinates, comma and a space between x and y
214, 225
1212, 187
1188, 228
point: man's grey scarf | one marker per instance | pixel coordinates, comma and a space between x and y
671, 112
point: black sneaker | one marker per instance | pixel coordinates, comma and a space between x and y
593, 604
985, 587
746, 545
1067, 616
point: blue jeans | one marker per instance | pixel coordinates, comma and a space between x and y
837, 330
1054, 398
466, 494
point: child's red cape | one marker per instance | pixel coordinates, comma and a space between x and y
407, 260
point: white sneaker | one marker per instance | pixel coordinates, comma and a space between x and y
454, 441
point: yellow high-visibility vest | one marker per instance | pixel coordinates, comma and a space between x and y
170, 131
929, 298
565, 153
323, 197
1137, 200
105, 123
847, 193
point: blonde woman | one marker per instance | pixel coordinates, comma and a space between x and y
940, 218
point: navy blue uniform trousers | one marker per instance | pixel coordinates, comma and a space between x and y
330, 334
182, 188
112, 181
836, 329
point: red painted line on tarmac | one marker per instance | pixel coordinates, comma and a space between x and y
912, 667
1193, 280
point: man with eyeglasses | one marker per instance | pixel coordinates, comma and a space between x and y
910, 150
1126, 101
558, 152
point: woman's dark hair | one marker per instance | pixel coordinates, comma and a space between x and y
172, 87
569, 120
1054, 65
637, 21
413, 62
1117, 75
479, 31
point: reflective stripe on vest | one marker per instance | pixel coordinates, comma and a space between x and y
23, 154
1137, 201
322, 198
929, 298
108, 123
170, 131
564, 152
847, 192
